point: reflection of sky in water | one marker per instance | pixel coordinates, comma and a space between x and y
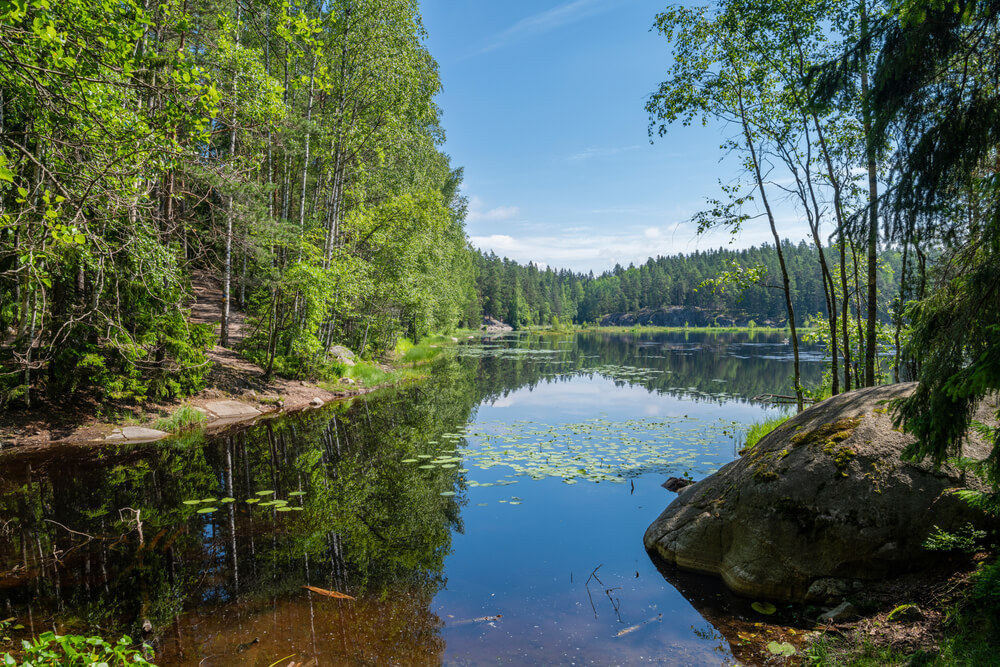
586, 397
530, 561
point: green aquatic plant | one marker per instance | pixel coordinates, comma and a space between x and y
781, 648
765, 608
596, 450
51, 650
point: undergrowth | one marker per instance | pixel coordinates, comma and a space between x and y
970, 635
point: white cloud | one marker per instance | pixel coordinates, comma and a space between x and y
546, 21
479, 213
600, 252
588, 153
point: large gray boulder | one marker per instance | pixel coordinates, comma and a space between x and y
819, 507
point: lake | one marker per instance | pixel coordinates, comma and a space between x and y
492, 514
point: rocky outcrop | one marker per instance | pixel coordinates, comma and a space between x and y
680, 316
819, 507
493, 325
343, 355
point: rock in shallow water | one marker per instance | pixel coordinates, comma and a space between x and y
819, 507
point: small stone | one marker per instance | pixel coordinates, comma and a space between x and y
316, 402
347, 381
675, 484
907, 613
140, 433
845, 611
454, 340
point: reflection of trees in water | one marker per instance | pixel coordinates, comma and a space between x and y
693, 366
733, 625
100, 536
371, 526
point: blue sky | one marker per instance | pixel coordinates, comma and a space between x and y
544, 107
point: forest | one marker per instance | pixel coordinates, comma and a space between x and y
527, 295
293, 152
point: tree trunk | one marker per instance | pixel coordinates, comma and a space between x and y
227, 270
871, 342
748, 137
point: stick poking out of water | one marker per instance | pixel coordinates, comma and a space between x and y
329, 594
635, 627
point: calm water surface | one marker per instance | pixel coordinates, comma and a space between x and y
490, 515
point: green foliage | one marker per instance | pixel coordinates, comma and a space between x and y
855, 652
758, 429
966, 540
182, 418
986, 587
50, 649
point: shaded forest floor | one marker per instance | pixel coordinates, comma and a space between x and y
82, 418
878, 636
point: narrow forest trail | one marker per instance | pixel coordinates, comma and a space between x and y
207, 306
231, 374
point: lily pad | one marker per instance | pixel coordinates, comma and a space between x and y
284, 509
297, 493
782, 648
269, 492
206, 510
763, 608
227, 500
192, 502
447, 493
251, 501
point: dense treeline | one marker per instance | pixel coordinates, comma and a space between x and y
291, 149
526, 295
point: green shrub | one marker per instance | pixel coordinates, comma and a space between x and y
965, 539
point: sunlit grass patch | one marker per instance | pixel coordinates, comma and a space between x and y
369, 374
757, 430
183, 418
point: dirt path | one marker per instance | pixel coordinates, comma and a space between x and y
207, 306
231, 378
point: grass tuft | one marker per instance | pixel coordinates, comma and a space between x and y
757, 430
183, 418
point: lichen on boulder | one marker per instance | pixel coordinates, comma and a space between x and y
820, 506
